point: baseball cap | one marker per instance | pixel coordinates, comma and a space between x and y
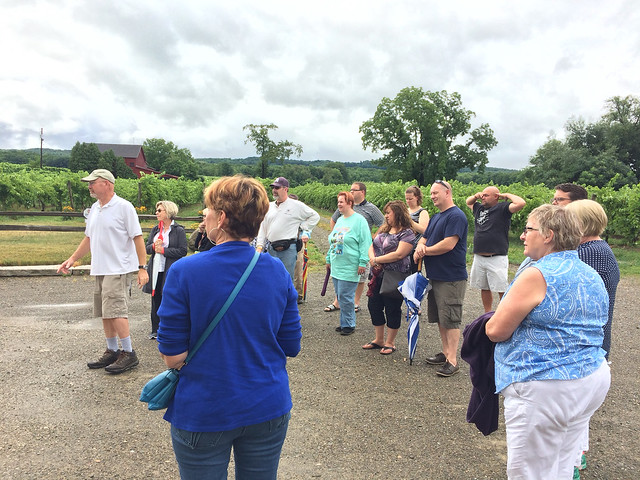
100, 173
280, 182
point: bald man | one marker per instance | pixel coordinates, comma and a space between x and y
492, 219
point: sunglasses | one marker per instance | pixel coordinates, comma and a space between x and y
275, 187
443, 183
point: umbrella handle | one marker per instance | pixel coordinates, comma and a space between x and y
326, 281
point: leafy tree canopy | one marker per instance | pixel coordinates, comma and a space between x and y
426, 135
269, 151
166, 157
87, 157
603, 153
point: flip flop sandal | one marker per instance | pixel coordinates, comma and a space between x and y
392, 349
331, 308
372, 346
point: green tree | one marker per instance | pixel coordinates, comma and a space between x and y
426, 135
115, 165
84, 156
606, 152
623, 120
167, 157
269, 151
157, 151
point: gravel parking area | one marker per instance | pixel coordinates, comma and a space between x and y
356, 415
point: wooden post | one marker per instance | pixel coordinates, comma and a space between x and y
70, 189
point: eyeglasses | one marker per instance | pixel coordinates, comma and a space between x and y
159, 210
355, 190
529, 229
275, 187
443, 183
555, 200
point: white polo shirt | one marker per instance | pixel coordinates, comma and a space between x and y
111, 230
282, 221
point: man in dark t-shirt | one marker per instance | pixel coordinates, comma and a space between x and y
492, 220
444, 248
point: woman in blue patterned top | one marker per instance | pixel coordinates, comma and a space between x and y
549, 363
390, 251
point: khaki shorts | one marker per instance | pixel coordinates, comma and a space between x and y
111, 295
444, 303
490, 273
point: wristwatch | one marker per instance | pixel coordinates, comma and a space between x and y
141, 267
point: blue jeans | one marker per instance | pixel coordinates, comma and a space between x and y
346, 293
288, 257
256, 451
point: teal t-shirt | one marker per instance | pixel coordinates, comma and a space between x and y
349, 243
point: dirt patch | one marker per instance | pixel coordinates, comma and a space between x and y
356, 415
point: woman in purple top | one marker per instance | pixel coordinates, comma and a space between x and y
389, 252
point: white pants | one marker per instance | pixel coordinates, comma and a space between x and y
546, 421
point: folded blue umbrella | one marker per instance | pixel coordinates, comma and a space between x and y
413, 290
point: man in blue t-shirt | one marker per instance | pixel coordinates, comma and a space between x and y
444, 248
492, 220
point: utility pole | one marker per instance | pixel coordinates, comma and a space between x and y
41, 140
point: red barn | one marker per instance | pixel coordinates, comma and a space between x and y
133, 156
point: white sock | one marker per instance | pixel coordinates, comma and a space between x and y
112, 344
126, 344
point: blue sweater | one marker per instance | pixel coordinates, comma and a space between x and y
238, 377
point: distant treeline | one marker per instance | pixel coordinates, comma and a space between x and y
299, 172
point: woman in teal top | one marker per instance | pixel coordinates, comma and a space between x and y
347, 259
549, 361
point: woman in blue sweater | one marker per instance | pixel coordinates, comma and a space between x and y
235, 390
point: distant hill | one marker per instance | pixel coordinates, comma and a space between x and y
300, 171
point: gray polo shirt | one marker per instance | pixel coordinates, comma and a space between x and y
368, 210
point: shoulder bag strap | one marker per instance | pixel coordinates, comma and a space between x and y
225, 307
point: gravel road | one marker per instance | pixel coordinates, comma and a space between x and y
356, 415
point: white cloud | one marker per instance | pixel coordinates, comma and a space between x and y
195, 73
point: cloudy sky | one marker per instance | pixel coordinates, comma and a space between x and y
195, 72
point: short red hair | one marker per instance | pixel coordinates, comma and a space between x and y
348, 196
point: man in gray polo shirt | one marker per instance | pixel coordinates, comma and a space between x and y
373, 216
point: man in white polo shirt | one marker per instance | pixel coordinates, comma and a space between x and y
280, 225
114, 238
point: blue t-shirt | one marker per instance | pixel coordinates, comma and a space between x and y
450, 266
561, 338
238, 377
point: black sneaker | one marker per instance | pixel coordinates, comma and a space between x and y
338, 329
126, 361
347, 331
107, 358
438, 359
448, 370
